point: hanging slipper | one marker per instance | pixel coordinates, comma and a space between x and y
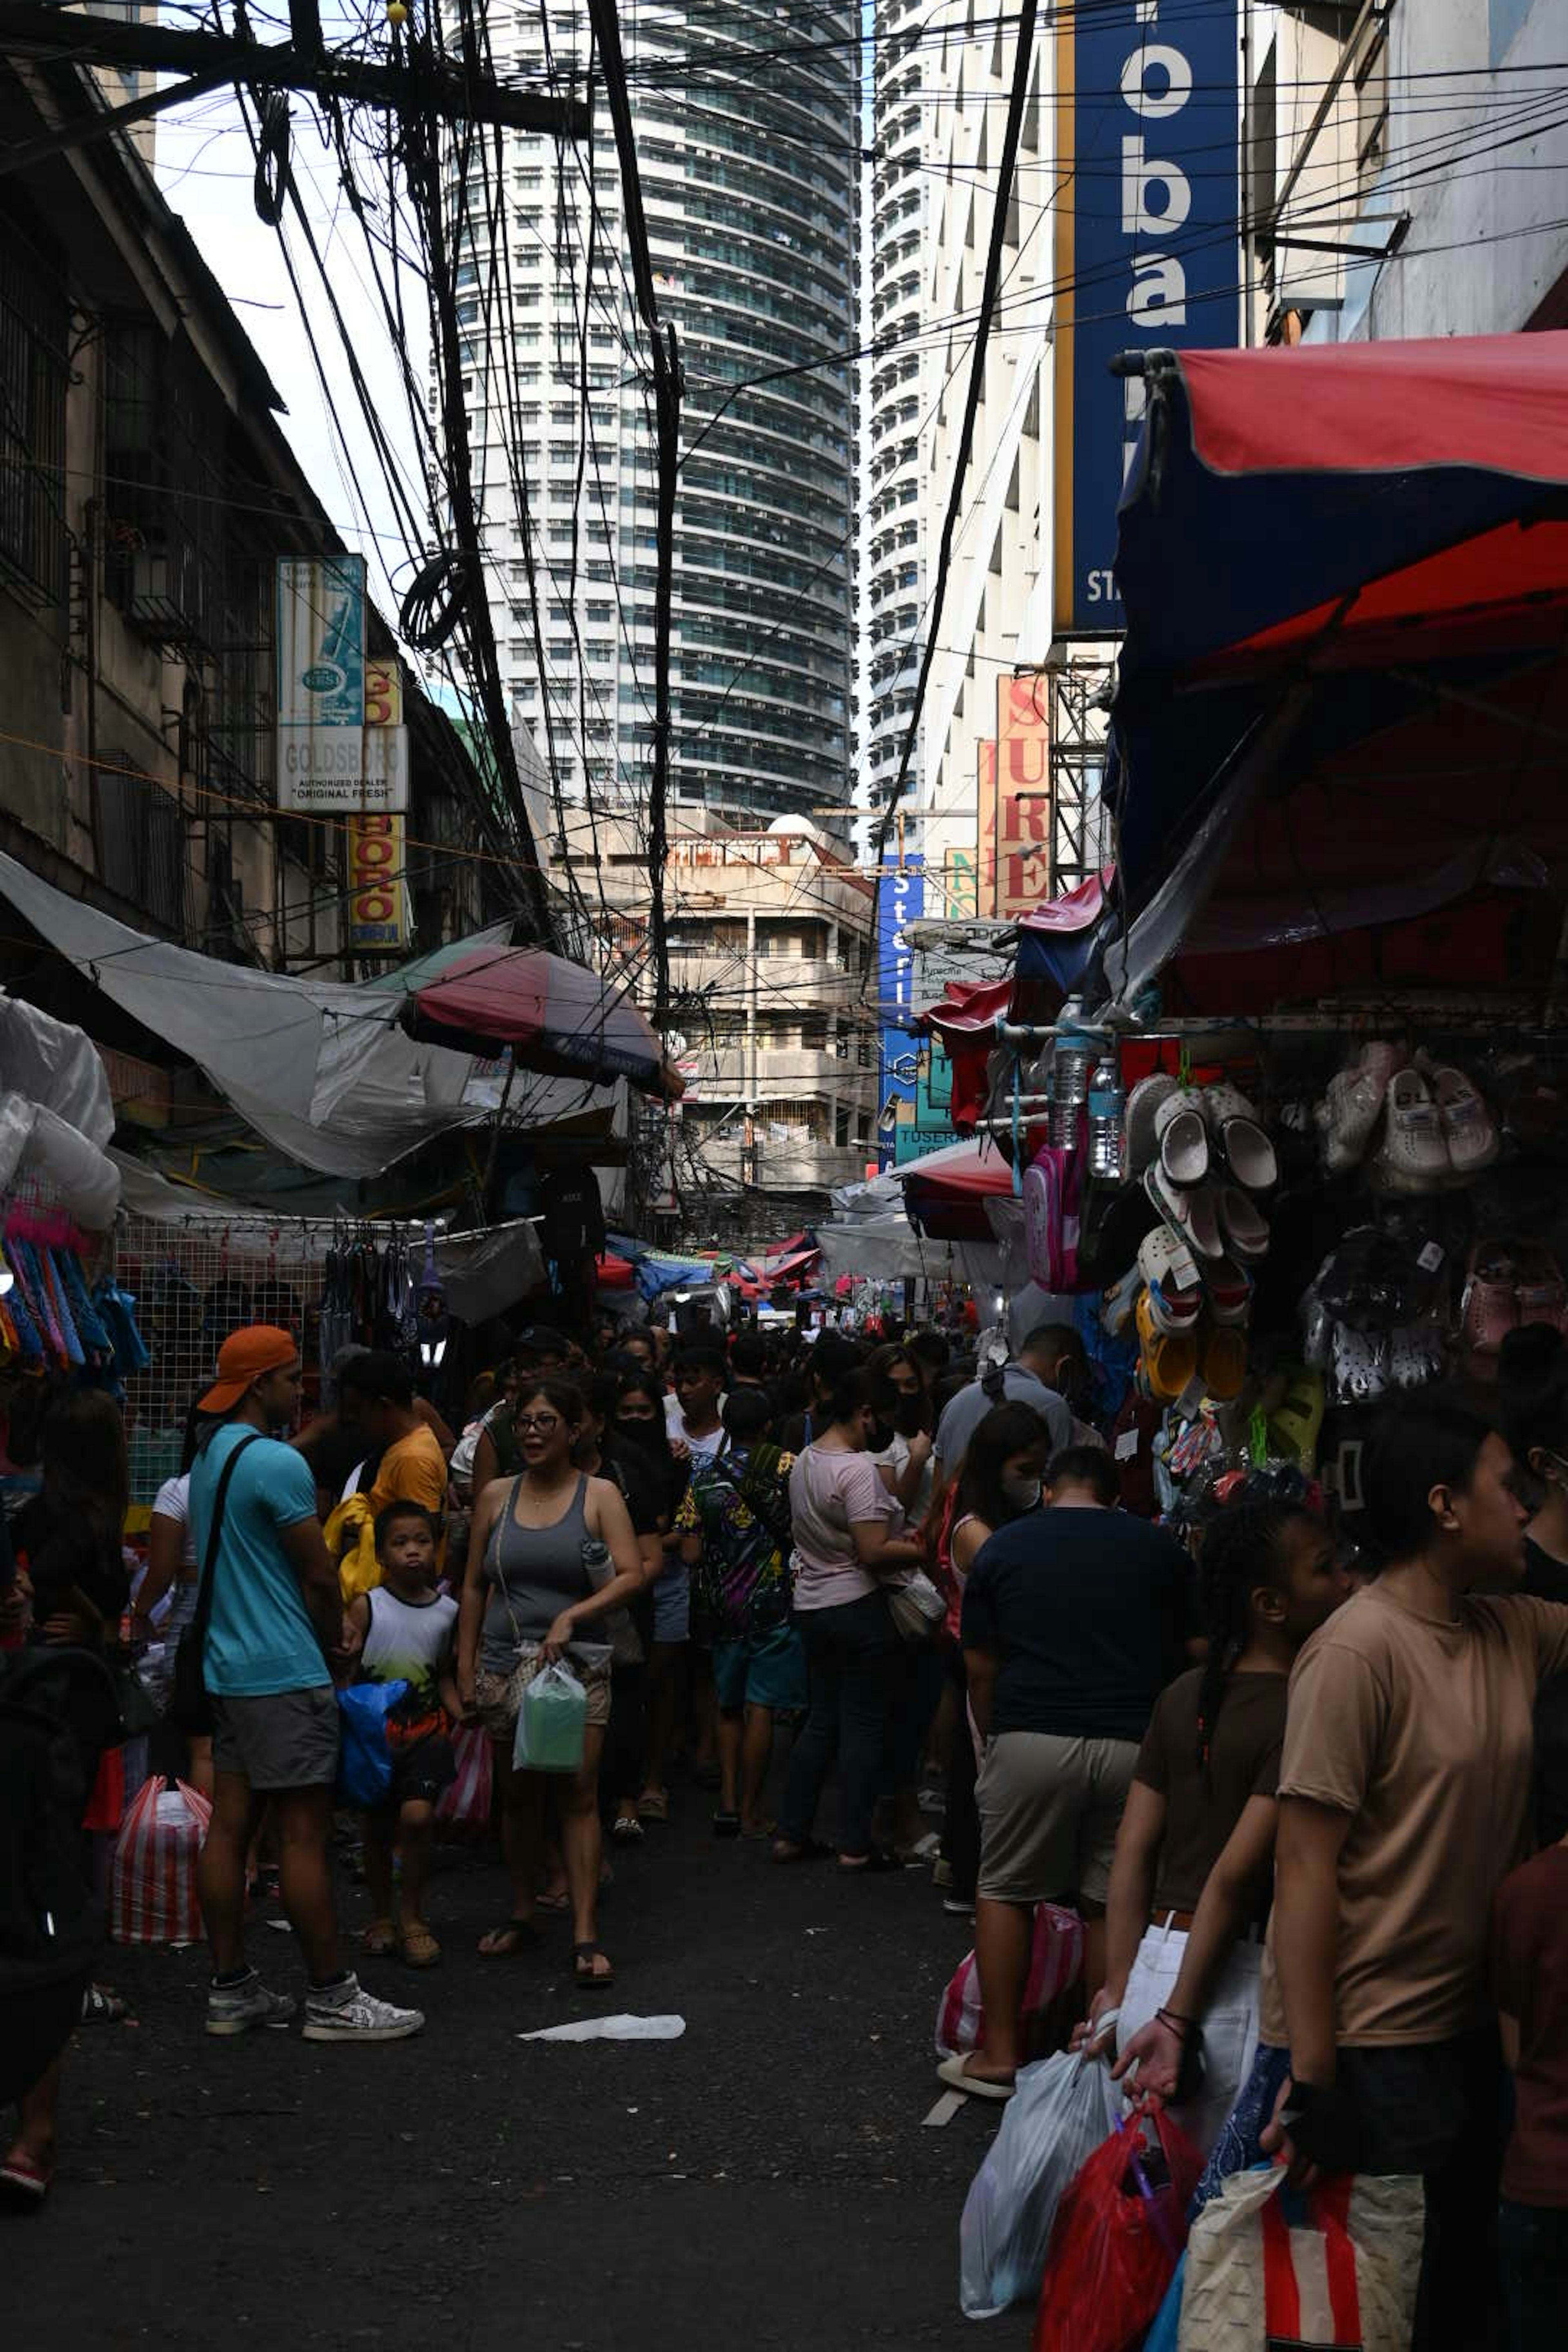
1169, 1359
1223, 1366
1142, 1104
1229, 1289
1190, 1212
1184, 1139
1296, 1420
1235, 1127
1244, 1230
1470, 1130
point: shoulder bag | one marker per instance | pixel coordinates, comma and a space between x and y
190, 1709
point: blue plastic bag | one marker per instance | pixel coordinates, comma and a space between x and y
1162, 2337
364, 1753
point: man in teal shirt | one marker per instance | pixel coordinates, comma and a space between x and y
276, 1619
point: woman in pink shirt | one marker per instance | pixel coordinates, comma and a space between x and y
849, 1537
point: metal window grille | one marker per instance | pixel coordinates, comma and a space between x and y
35, 547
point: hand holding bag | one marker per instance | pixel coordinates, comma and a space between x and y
364, 1751
1062, 2109
189, 1710
552, 1723
1118, 2235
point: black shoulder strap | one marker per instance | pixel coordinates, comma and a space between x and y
203, 1611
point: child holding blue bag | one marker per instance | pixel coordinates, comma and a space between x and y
405, 1631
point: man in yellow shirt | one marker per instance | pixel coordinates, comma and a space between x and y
375, 1396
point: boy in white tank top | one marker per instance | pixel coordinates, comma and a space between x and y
405, 1631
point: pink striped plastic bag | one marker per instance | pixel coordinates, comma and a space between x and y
468, 1798
152, 1887
1056, 1961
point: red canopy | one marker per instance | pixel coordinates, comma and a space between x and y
555, 1015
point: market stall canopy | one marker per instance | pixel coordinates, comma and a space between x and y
322, 1069
1341, 696
555, 1015
945, 1192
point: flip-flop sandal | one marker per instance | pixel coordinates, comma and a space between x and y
584, 1975
626, 1830
973, 2086
523, 1934
726, 1825
788, 1850
1191, 1213
1244, 1230
25, 2177
380, 1939
654, 1808
1170, 1360
418, 1948
869, 1866
1224, 1363
553, 1903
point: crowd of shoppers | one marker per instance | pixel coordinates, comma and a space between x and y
1306, 1805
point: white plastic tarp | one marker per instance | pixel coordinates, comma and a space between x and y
53, 1063
319, 1068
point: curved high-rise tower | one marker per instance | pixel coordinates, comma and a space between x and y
748, 136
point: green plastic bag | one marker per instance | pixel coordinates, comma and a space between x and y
552, 1723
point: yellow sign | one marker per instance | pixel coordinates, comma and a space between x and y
378, 900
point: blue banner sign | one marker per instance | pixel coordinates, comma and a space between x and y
1148, 244
900, 901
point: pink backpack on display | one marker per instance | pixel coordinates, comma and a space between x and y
1053, 1196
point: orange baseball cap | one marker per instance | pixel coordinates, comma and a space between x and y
244, 1357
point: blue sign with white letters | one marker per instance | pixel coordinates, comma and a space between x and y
900, 901
1148, 249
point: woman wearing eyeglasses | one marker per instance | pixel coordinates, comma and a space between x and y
529, 1598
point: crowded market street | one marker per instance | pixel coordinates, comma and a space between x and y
764, 2180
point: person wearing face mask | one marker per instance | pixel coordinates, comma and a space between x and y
1072, 1623
1000, 1481
903, 1443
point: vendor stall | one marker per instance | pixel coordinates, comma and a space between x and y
1301, 1123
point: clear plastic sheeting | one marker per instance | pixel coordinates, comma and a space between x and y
36, 1143
56, 1064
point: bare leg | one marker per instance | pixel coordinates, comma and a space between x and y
729, 1736
664, 1675
578, 1800
520, 1824
377, 1852
220, 1869
1002, 1932
416, 1835
304, 1817
37, 2110
1093, 1918
201, 1767
756, 1755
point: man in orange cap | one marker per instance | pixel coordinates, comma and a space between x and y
276, 1619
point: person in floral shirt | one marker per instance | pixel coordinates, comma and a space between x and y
734, 1525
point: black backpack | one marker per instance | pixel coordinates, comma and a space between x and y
58, 1712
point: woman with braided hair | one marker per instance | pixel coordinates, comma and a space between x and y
1190, 1882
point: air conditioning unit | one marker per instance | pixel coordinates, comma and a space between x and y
164, 597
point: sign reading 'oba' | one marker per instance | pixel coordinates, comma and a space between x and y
1148, 248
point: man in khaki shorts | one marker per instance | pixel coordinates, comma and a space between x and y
276, 1613
1073, 1619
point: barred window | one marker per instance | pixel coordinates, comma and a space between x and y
33, 373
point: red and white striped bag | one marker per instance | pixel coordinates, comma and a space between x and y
466, 1799
152, 1890
1334, 2266
1056, 1961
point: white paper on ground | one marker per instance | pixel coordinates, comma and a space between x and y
621, 2028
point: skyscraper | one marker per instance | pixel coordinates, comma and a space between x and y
748, 138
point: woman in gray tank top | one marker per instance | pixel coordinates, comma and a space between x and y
530, 1597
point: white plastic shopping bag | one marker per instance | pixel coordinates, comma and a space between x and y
1334, 2266
1062, 2109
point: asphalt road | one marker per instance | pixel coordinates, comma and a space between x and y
763, 2181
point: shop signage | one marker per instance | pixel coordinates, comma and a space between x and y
900, 901
1148, 162
339, 746
919, 1143
1023, 770
985, 827
378, 900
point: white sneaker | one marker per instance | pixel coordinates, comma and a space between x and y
235, 2009
349, 2013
